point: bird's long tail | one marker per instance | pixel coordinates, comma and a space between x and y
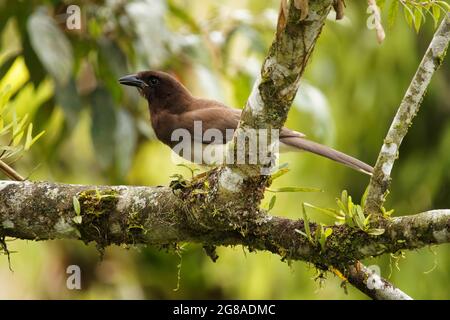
327, 152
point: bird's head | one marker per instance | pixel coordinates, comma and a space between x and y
156, 86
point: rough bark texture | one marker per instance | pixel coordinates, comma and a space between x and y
160, 216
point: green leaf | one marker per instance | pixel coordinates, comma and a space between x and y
76, 205
343, 203
359, 220
10, 152
436, 14
18, 125
350, 205
5, 129
77, 219
322, 235
282, 170
444, 4
294, 189
418, 15
191, 170
335, 214
375, 232
360, 215
306, 224
341, 206
272, 202
29, 141
367, 221
349, 221
392, 15
302, 233
50, 45
409, 15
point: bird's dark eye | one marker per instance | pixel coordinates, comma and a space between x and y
153, 81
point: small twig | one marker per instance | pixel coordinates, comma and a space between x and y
372, 284
10, 172
380, 181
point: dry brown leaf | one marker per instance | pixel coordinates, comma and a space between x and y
282, 16
303, 6
339, 6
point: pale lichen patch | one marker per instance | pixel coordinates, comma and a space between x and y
255, 101
279, 72
387, 167
139, 202
52, 193
124, 200
5, 183
389, 149
429, 66
230, 180
374, 281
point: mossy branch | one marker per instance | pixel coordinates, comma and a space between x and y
160, 216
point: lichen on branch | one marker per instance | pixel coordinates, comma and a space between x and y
159, 216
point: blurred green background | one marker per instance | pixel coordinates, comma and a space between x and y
97, 132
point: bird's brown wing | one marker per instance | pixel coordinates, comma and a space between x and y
214, 121
215, 115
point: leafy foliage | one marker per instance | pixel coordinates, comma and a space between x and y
415, 11
350, 214
321, 232
16, 131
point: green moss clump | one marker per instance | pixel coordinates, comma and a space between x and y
95, 206
97, 202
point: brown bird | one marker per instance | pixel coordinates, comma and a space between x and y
173, 107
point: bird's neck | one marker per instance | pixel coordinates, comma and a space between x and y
174, 101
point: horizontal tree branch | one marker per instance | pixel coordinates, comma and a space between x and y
161, 216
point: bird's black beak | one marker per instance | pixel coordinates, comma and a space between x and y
132, 80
